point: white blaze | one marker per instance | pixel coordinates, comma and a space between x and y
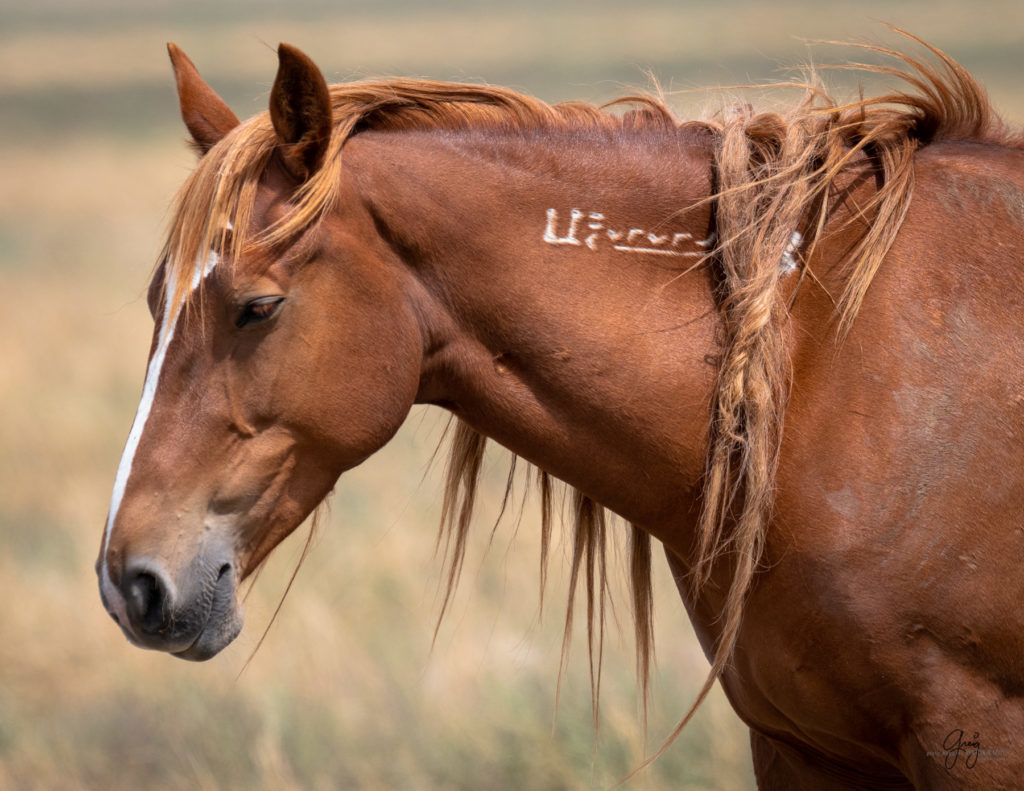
124, 470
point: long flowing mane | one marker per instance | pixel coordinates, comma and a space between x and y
775, 172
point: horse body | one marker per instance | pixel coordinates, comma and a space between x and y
899, 480
514, 280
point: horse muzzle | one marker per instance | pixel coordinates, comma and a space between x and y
192, 615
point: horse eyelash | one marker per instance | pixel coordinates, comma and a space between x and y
258, 311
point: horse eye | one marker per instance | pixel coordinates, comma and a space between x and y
258, 310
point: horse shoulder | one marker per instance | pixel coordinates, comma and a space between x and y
899, 489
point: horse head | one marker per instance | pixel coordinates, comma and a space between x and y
248, 415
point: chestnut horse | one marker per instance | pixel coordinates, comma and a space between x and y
782, 344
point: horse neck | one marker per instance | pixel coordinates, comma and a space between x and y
551, 329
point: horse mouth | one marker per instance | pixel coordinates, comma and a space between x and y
222, 624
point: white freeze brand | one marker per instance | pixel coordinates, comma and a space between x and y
593, 230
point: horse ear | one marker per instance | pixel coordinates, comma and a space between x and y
300, 109
205, 114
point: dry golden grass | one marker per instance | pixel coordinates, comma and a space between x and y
346, 691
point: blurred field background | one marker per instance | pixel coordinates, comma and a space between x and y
345, 692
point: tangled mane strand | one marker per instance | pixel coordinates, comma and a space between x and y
775, 174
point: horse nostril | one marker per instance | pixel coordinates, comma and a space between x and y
146, 600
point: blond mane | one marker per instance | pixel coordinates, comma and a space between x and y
775, 172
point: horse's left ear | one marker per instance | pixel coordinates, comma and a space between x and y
300, 109
205, 114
